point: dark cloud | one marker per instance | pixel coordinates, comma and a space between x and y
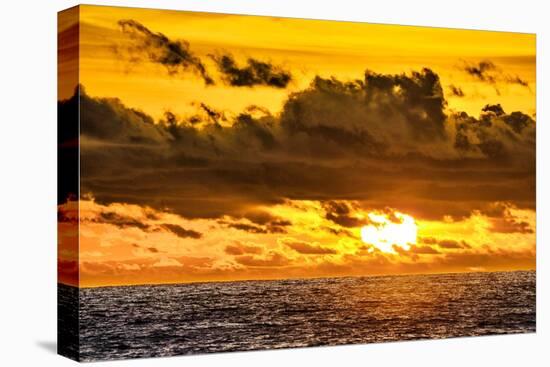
503, 219
509, 225
339, 231
265, 218
241, 249
486, 71
495, 108
120, 221
497, 135
213, 115
517, 80
123, 221
307, 248
182, 232
175, 55
518, 121
262, 222
456, 91
483, 71
341, 212
392, 216
273, 259
254, 228
255, 72
444, 243
371, 116
423, 250
384, 141
67, 216
428, 240
68, 145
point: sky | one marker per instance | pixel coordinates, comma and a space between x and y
221, 147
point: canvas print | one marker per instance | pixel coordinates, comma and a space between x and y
233, 183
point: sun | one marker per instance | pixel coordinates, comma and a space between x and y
385, 231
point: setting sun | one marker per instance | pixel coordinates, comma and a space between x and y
384, 231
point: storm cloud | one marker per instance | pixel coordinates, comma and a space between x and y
381, 141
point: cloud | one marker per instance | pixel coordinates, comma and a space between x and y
254, 228
385, 140
452, 244
223, 255
273, 259
505, 217
517, 80
486, 71
67, 140
482, 71
422, 250
120, 221
175, 55
371, 116
265, 218
182, 232
445, 243
307, 248
497, 135
506, 225
255, 72
518, 121
68, 212
241, 249
456, 91
258, 222
342, 213
213, 115
495, 108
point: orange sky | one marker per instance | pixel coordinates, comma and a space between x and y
211, 203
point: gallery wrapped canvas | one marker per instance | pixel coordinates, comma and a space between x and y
232, 182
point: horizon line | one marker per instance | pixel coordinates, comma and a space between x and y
296, 278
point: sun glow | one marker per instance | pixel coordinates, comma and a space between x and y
385, 231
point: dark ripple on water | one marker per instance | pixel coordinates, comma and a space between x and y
166, 320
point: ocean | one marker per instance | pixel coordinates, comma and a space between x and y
167, 320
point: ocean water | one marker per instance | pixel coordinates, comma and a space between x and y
166, 320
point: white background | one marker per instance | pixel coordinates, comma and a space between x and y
28, 182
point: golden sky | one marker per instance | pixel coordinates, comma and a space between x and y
223, 147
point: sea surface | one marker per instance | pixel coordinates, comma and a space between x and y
167, 320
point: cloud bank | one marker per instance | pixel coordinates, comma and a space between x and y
384, 140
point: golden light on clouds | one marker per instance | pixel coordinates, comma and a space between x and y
130, 244
302, 149
385, 233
